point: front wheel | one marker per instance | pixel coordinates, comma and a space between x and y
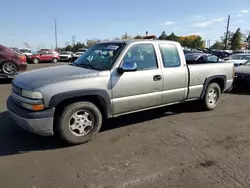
9, 68
212, 96
78, 123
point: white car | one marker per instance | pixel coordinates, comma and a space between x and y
66, 56
25, 52
76, 55
239, 58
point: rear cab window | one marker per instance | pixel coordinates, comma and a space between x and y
170, 55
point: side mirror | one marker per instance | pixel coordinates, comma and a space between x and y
127, 67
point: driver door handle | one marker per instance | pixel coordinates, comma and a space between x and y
157, 77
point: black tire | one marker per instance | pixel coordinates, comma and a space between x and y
9, 68
207, 102
36, 61
62, 126
55, 60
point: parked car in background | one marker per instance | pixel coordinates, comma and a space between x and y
44, 56
82, 50
66, 56
242, 75
11, 62
14, 48
241, 51
26, 52
111, 79
76, 55
195, 58
219, 53
239, 58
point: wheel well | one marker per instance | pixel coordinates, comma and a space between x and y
95, 99
220, 82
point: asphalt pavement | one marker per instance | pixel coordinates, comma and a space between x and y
178, 146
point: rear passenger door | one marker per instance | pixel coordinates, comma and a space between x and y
141, 89
175, 75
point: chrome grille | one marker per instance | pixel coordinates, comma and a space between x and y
17, 90
17, 100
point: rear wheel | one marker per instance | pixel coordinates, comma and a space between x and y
35, 61
212, 96
78, 123
9, 68
54, 60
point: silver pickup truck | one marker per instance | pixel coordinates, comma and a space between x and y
112, 79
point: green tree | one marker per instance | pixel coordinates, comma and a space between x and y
218, 45
126, 37
236, 40
229, 38
138, 37
172, 37
248, 39
163, 36
91, 42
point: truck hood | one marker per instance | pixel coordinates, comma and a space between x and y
37, 78
243, 69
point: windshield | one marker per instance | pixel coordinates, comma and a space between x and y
240, 57
99, 56
192, 56
25, 51
65, 53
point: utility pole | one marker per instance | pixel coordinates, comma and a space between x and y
228, 22
56, 33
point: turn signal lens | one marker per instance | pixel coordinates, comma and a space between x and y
37, 107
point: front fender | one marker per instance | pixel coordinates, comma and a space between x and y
58, 98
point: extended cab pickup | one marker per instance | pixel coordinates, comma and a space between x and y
110, 79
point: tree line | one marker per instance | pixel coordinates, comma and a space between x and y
236, 40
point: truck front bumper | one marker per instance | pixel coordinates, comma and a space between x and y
40, 123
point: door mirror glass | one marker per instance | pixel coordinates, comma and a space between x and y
128, 67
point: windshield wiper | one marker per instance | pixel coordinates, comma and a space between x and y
86, 65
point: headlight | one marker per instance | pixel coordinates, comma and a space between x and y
32, 94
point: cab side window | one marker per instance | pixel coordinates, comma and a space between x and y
170, 55
143, 55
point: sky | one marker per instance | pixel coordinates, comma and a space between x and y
32, 21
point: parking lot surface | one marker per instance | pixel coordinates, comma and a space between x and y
178, 146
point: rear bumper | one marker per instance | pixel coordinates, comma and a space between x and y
40, 123
22, 67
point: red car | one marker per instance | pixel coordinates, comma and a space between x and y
44, 56
11, 62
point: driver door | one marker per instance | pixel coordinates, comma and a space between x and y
141, 89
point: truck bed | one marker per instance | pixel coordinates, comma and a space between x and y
199, 73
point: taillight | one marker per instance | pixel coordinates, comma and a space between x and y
22, 58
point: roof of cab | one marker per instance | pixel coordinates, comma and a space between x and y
136, 40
